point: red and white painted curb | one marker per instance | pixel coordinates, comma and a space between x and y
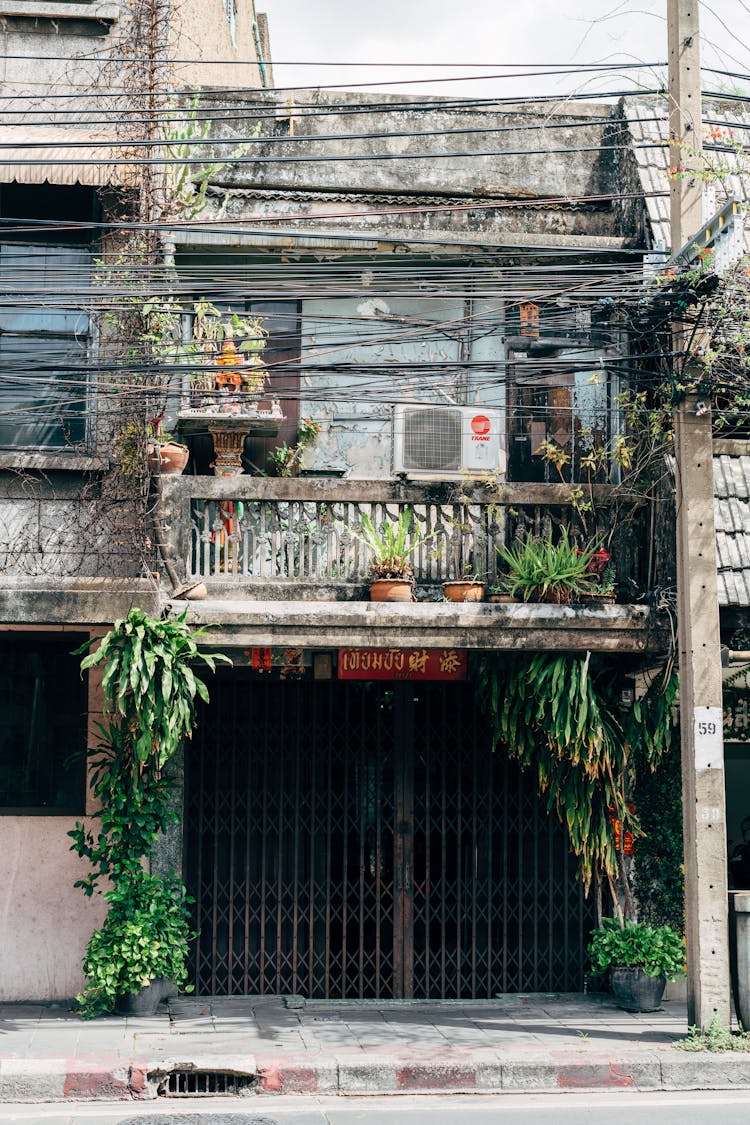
360, 1072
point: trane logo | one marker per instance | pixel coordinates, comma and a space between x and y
480, 428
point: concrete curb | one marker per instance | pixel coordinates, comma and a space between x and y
359, 1073
490, 1071
59, 1080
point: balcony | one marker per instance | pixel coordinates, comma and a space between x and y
282, 563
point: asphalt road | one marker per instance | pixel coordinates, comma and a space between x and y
624, 1108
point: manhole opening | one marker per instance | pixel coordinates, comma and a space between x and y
204, 1083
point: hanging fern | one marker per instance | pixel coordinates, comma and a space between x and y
557, 715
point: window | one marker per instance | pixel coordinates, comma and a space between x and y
45, 276
43, 345
42, 725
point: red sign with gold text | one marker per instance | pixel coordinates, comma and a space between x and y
402, 664
628, 846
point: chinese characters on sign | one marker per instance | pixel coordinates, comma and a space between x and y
627, 848
529, 317
288, 662
402, 664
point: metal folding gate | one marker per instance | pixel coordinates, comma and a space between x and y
361, 840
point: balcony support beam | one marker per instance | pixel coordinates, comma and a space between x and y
479, 626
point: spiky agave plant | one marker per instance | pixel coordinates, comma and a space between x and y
391, 545
540, 570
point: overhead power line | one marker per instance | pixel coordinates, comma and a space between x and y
537, 69
415, 105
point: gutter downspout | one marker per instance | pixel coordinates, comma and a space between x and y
259, 52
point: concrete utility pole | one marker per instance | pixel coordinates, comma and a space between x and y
697, 595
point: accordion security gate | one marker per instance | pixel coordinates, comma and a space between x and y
362, 840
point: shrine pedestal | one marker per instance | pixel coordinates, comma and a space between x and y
229, 431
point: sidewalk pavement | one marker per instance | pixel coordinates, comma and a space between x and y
280, 1045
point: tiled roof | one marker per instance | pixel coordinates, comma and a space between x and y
651, 149
732, 513
731, 471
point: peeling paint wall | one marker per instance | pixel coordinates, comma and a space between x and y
375, 334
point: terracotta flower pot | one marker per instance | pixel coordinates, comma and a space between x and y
391, 590
168, 457
464, 590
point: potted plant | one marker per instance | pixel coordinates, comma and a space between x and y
391, 569
544, 570
603, 592
150, 687
499, 595
640, 960
139, 955
287, 460
468, 588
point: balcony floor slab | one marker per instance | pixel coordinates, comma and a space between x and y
335, 624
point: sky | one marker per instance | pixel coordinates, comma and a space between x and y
493, 33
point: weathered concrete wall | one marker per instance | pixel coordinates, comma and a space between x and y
45, 922
481, 152
203, 33
80, 34
372, 333
48, 600
30, 31
471, 220
59, 525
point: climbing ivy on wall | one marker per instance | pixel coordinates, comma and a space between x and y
559, 715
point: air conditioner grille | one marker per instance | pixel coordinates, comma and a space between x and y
432, 439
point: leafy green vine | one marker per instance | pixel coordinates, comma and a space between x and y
286, 459
150, 688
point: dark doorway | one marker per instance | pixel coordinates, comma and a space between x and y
362, 840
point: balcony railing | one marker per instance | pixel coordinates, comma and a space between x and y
266, 537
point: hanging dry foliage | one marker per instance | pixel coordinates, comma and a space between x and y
558, 714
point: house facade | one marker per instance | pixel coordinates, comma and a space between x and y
423, 276
72, 534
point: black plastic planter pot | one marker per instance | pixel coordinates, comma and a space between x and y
145, 1002
635, 991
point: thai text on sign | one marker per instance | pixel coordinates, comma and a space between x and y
402, 664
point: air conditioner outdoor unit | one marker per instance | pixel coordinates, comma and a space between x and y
448, 442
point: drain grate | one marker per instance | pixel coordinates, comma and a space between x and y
204, 1084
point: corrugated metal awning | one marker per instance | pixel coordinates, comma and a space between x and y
63, 156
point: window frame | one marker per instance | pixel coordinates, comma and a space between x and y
57, 643
88, 342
